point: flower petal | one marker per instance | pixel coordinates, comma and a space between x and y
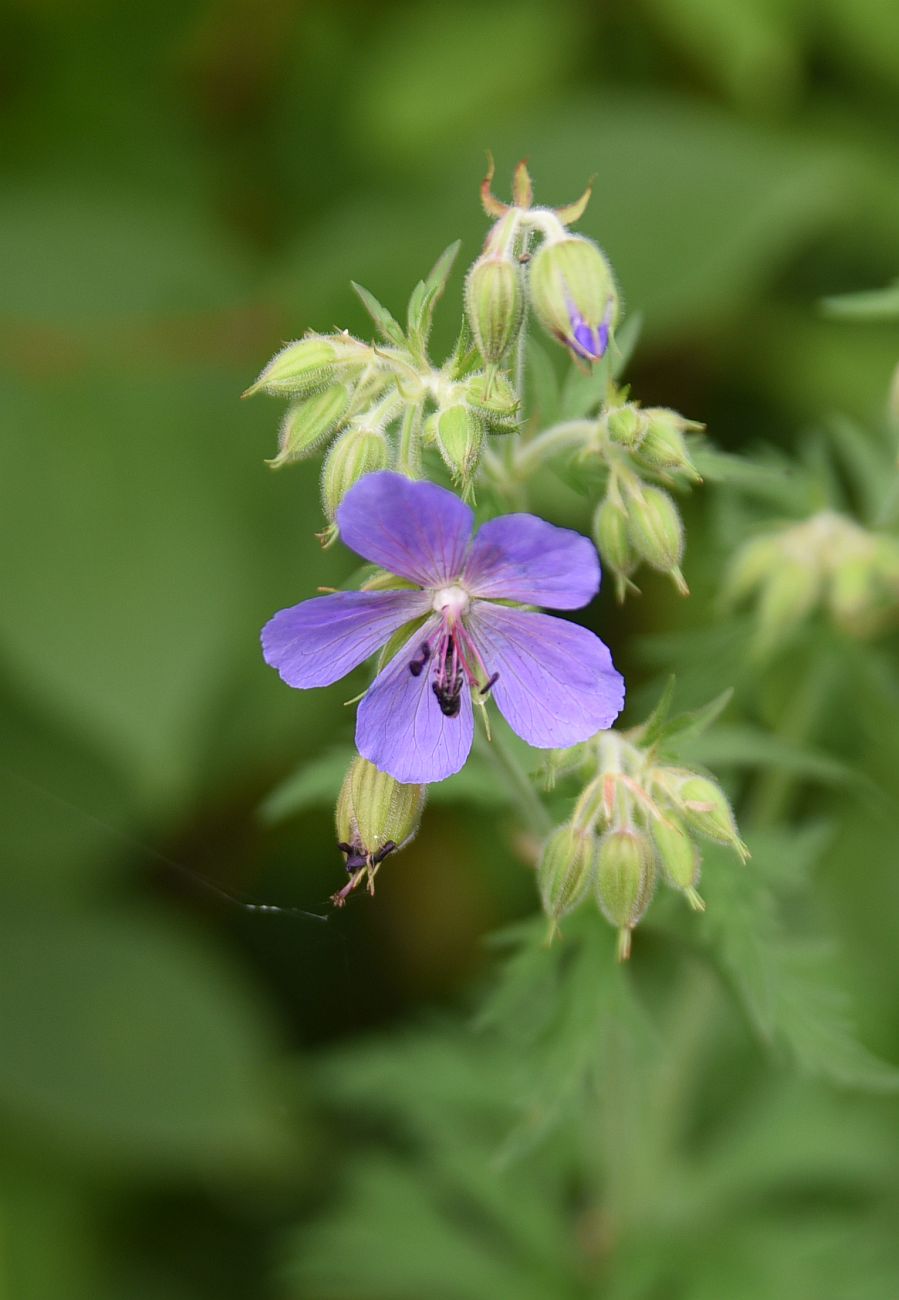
400, 727
417, 530
521, 557
319, 641
557, 685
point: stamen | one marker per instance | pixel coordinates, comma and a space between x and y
355, 860
416, 667
489, 685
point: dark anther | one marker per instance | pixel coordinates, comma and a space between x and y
355, 858
387, 847
488, 686
450, 680
416, 667
449, 698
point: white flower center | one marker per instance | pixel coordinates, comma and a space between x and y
454, 602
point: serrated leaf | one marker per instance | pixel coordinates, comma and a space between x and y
387, 326
775, 481
747, 746
656, 720
870, 464
786, 983
695, 721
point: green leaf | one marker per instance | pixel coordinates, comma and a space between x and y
124, 1039
652, 727
748, 746
438, 278
387, 326
542, 384
695, 721
787, 982
872, 305
313, 784
426, 295
317, 783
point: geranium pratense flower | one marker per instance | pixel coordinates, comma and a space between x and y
552, 680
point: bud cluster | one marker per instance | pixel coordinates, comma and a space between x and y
567, 281
828, 561
380, 404
375, 816
637, 520
636, 822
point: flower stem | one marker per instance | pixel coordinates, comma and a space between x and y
527, 799
560, 437
771, 795
409, 456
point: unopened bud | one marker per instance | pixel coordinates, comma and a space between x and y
663, 446
625, 880
298, 368
308, 423
375, 816
852, 594
494, 301
565, 870
573, 294
657, 532
626, 426
705, 808
679, 858
751, 565
353, 455
459, 436
494, 398
787, 596
612, 537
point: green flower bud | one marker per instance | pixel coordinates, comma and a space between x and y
678, 857
612, 537
664, 447
308, 423
656, 530
751, 565
788, 595
706, 809
626, 426
375, 816
565, 870
625, 880
494, 398
298, 368
494, 301
853, 593
573, 294
353, 455
459, 436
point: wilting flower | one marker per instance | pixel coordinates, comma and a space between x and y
553, 681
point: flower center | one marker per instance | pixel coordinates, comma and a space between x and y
451, 656
453, 602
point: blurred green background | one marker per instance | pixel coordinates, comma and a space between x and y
190, 1091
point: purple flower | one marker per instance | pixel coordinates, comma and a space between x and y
585, 340
553, 681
